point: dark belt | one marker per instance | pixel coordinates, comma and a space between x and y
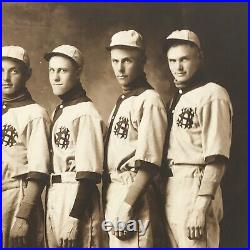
56, 179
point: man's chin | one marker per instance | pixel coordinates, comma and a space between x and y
180, 84
58, 92
8, 92
122, 82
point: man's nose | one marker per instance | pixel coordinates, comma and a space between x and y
179, 66
6, 76
56, 76
120, 67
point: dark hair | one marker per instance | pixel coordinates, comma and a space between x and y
175, 42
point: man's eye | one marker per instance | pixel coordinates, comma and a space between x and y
127, 61
14, 71
51, 70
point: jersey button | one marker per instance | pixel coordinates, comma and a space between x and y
113, 118
4, 106
123, 96
172, 111
180, 91
61, 106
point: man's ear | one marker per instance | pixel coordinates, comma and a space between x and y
78, 72
28, 73
201, 54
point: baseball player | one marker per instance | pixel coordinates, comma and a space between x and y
200, 120
73, 207
25, 154
133, 146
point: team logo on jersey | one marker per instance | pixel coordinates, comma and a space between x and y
62, 138
9, 135
121, 128
185, 119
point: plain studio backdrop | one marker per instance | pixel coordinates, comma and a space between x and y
222, 27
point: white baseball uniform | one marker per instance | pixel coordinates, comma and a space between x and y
201, 132
77, 144
25, 154
137, 130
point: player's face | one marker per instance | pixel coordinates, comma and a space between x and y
127, 65
183, 61
63, 74
14, 76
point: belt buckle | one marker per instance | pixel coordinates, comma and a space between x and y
51, 179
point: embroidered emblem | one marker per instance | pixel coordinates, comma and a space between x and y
9, 135
185, 119
121, 128
62, 138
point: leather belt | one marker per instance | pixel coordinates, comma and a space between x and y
56, 179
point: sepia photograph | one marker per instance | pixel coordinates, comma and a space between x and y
124, 125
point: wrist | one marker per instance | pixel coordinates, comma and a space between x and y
202, 203
24, 211
126, 207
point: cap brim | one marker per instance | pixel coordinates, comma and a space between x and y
17, 60
47, 57
169, 42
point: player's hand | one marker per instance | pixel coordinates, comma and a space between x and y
69, 233
124, 215
18, 233
196, 220
195, 225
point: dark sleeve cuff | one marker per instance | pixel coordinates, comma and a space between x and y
83, 198
25, 210
141, 181
96, 177
148, 166
38, 176
216, 158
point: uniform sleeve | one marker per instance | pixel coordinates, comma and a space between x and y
37, 149
211, 178
216, 124
151, 135
89, 148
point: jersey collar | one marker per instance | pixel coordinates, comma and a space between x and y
196, 81
139, 85
74, 96
22, 100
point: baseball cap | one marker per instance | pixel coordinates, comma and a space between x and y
16, 52
127, 38
68, 51
185, 35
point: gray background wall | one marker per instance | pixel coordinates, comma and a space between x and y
222, 27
